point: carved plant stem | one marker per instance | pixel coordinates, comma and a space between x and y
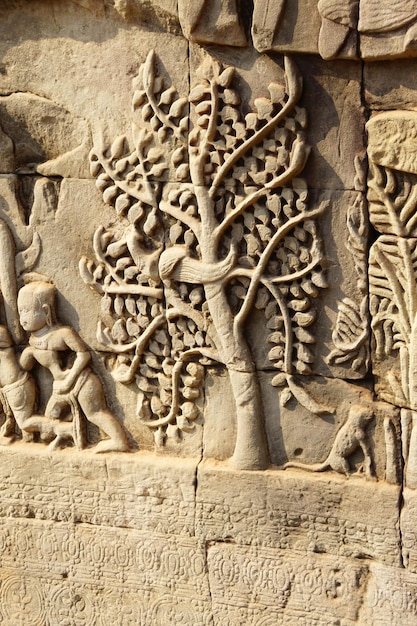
251, 451
294, 84
148, 83
412, 371
8, 285
397, 293
263, 261
189, 355
279, 298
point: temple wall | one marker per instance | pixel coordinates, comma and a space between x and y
208, 313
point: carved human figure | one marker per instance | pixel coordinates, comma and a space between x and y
17, 390
75, 387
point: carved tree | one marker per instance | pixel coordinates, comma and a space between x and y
240, 236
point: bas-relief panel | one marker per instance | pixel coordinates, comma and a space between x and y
212, 240
185, 269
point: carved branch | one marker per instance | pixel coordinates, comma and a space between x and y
148, 84
263, 261
199, 155
297, 163
294, 85
101, 256
182, 309
183, 217
147, 197
383, 195
176, 372
409, 276
280, 300
139, 343
396, 292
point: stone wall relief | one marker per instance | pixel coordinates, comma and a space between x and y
392, 195
28, 304
77, 394
240, 235
351, 335
212, 225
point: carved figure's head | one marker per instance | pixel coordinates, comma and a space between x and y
36, 305
361, 414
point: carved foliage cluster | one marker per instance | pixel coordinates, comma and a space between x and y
393, 258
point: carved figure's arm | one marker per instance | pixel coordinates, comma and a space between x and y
27, 360
82, 359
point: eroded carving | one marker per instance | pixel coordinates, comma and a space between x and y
17, 391
351, 335
213, 21
240, 235
338, 29
393, 292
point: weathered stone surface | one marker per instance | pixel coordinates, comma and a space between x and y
390, 85
297, 511
408, 530
387, 31
305, 589
332, 97
207, 266
286, 26
212, 22
336, 29
131, 491
250, 584
146, 578
390, 597
92, 87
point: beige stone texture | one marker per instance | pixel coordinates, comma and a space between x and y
207, 277
286, 27
162, 544
292, 510
212, 22
390, 85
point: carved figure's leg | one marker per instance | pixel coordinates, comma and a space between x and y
7, 431
93, 404
367, 454
22, 401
